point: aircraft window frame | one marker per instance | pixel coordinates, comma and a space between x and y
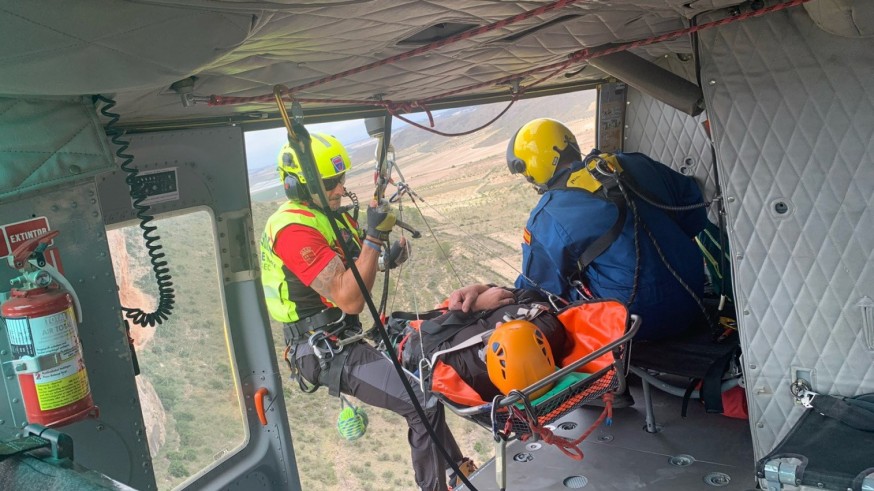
173, 465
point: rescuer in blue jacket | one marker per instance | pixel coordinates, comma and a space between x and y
582, 205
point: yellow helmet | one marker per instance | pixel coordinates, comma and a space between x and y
537, 148
330, 156
518, 355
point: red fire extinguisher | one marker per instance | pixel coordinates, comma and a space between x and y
41, 322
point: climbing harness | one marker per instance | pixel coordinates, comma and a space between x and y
607, 175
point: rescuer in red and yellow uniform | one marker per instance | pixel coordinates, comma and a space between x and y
308, 287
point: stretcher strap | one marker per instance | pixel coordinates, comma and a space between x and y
571, 448
854, 413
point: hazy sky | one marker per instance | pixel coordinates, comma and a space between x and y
263, 146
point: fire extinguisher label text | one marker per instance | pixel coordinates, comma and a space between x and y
19, 338
60, 392
52, 336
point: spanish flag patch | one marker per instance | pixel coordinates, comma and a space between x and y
526, 236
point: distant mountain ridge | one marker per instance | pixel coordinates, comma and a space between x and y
565, 107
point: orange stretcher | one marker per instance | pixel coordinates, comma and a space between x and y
594, 367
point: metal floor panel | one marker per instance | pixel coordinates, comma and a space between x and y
624, 457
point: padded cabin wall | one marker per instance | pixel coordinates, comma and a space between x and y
672, 137
792, 111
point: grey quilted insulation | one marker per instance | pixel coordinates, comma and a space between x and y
792, 109
671, 137
45, 142
138, 49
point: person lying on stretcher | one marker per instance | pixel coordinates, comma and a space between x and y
493, 340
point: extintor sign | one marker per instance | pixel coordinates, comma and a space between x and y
13, 234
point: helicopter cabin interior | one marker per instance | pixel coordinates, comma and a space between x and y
768, 103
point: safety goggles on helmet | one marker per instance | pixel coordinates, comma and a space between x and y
332, 182
538, 147
330, 157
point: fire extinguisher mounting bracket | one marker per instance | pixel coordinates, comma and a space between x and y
29, 259
33, 364
62, 443
32, 250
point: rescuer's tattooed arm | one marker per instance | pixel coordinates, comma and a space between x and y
337, 284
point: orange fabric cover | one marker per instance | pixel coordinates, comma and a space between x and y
446, 381
589, 327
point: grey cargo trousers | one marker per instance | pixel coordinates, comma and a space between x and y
369, 376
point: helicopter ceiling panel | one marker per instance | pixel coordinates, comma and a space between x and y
137, 51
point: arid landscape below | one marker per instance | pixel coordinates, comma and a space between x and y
470, 211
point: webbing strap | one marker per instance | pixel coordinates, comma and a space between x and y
855, 413
412, 316
331, 376
601, 244
474, 340
711, 388
608, 176
21, 445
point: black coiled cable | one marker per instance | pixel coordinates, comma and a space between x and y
354, 208
166, 296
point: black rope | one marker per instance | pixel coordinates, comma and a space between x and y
638, 224
637, 261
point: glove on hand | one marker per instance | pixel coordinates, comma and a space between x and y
397, 255
380, 221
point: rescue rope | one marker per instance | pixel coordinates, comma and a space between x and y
395, 108
299, 141
217, 100
570, 448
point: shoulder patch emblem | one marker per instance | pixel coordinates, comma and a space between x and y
526, 236
308, 255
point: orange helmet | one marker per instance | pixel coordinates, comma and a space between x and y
518, 355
